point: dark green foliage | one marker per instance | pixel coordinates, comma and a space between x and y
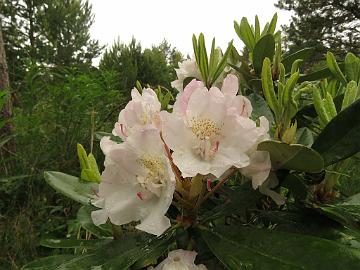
339, 139
153, 66
240, 247
323, 25
58, 109
47, 32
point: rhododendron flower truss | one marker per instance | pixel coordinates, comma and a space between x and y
141, 112
208, 137
180, 260
137, 183
187, 69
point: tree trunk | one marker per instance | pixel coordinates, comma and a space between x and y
6, 111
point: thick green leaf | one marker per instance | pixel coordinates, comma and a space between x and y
240, 247
48, 263
260, 108
84, 218
351, 94
148, 249
196, 48
272, 24
245, 33
287, 98
125, 248
71, 186
352, 67
320, 74
292, 156
310, 223
222, 64
117, 254
334, 68
268, 88
73, 243
340, 138
303, 54
214, 58
203, 63
265, 47
322, 112
257, 28
304, 136
346, 214
83, 158
330, 105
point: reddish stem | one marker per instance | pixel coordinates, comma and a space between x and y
218, 185
173, 166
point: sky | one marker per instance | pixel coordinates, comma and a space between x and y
152, 21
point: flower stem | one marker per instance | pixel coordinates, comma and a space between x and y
173, 166
224, 178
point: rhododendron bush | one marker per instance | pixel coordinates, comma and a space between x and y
239, 169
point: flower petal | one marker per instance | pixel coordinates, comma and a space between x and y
230, 85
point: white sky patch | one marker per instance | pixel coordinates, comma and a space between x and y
151, 21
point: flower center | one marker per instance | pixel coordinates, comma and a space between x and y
155, 173
208, 133
204, 128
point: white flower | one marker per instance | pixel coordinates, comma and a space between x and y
258, 169
182, 99
238, 105
137, 183
180, 260
208, 140
141, 112
187, 69
260, 164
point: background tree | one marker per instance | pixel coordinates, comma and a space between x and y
325, 25
153, 66
49, 32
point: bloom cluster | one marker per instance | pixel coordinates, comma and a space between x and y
208, 132
179, 259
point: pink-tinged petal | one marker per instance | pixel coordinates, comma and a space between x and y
215, 92
137, 183
227, 158
135, 95
198, 103
189, 164
187, 69
207, 105
141, 111
106, 144
156, 222
239, 105
230, 85
258, 169
118, 200
182, 98
175, 133
147, 140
